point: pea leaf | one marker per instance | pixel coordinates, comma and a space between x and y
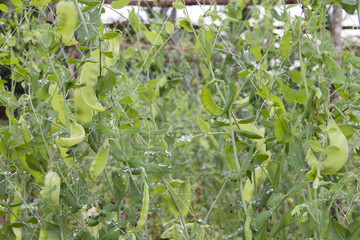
169, 27
186, 25
120, 4
315, 146
102, 128
282, 131
158, 170
3, 8
204, 126
285, 46
154, 38
178, 5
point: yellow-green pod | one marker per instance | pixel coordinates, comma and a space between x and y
88, 77
52, 185
249, 189
335, 161
207, 100
77, 135
67, 16
100, 160
57, 102
83, 113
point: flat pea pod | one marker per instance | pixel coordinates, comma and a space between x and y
58, 104
145, 207
207, 100
100, 160
83, 113
249, 189
52, 187
67, 16
77, 135
335, 161
88, 77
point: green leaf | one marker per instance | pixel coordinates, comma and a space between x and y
315, 146
336, 73
39, 3
297, 156
288, 93
3, 8
186, 25
248, 134
90, 2
129, 131
355, 61
337, 231
120, 4
301, 96
285, 46
119, 186
296, 76
282, 131
158, 170
178, 5
134, 20
102, 128
204, 126
110, 35
256, 52
281, 224
154, 38
349, 5
169, 27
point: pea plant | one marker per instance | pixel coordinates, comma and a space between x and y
244, 125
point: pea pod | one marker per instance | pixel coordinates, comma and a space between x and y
145, 208
88, 77
77, 134
52, 187
100, 160
83, 113
207, 100
58, 104
249, 189
335, 161
67, 16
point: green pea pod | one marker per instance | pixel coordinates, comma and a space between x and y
52, 187
77, 134
207, 100
88, 77
229, 157
83, 113
67, 16
335, 161
231, 97
57, 102
100, 160
249, 189
145, 208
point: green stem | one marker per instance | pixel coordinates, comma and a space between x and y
182, 220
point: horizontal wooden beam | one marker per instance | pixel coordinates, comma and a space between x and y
168, 3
